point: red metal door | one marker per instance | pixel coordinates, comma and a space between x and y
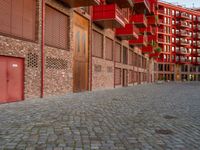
12, 78
3, 79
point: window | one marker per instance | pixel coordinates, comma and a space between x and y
172, 12
17, 18
109, 49
97, 44
117, 52
125, 55
56, 28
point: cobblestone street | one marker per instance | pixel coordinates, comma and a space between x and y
154, 116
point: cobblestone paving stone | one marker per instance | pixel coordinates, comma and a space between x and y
150, 117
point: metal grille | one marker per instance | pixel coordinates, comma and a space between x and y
56, 28
56, 63
32, 60
109, 49
97, 68
117, 76
97, 44
109, 69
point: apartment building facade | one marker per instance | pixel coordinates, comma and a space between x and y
53, 47
179, 36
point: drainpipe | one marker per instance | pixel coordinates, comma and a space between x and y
90, 32
42, 49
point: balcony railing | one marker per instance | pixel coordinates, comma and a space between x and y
139, 20
147, 49
184, 24
141, 41
141, 5
121, 3
185, 43
161, 30
148, 30
160, 40
184, 33
152, 38
198, 35
108, 16
128, 32
198, 44
161, 12
81, 3
185, 15
152, 20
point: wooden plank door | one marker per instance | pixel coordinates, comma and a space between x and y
80, 68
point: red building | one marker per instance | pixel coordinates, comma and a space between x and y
179, 36
53, 47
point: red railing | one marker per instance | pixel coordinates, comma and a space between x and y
107, 13
139, 20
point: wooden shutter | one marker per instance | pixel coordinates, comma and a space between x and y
29, 15
117, 52
130, 78
56, 28
48, 26
97, 44
109, 49
130, 57
5, 14
17, 18
117, 76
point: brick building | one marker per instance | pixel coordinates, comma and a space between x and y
53, 47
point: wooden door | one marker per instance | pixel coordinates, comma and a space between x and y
11, 78
80, 69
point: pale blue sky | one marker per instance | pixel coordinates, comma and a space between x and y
186, 3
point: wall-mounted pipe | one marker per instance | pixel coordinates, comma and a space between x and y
42, 49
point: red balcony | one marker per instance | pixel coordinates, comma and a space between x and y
108, 16
184, 43
161, 12
184, 34
184, 15
147, 49
81, 3
141, 5
128, 32
141, 41
152, 38
184, 24
148, 30
139, 20
161, 31
160, 40
198, 43
152, 20
154, 55
121, 3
